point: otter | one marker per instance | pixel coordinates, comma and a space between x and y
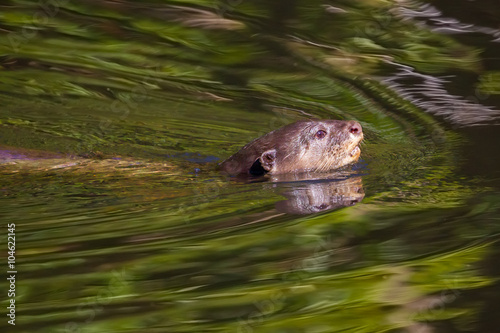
303, 146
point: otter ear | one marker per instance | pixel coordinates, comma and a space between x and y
267, 159
264, 163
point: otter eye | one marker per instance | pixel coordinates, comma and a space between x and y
320, 134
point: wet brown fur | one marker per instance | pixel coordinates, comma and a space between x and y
295, 148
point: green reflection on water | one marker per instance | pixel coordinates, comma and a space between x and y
144, 242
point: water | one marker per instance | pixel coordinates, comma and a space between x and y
114, 115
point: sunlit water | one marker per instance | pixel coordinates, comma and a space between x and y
113, 118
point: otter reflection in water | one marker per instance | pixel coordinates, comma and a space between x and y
317, 195
304, 146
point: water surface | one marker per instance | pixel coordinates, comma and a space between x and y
113, 117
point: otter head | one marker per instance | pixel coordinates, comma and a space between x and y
304, 146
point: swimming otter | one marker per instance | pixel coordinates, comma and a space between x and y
304, 146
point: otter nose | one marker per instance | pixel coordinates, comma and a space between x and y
355, 128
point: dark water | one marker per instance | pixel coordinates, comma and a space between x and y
113, 115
